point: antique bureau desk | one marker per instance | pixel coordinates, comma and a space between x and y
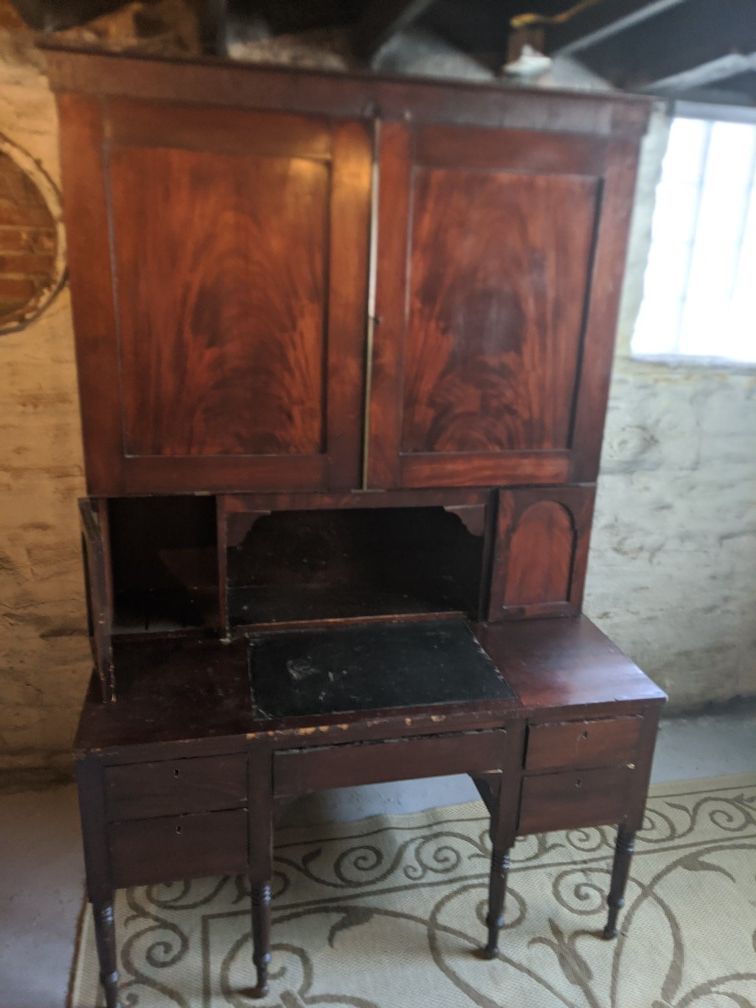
344, 346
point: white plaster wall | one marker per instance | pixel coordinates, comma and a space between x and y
672, 568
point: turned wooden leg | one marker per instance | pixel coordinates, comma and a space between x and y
106, 949
261, 936
500, 792
497, 890
260, 840
623, 853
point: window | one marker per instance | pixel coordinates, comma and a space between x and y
699, 297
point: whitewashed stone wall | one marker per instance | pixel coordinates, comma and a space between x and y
672, 569
43, 646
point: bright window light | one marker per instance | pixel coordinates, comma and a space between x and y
699, 295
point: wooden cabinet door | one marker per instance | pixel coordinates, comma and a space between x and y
219, 273
540, 552
498, 273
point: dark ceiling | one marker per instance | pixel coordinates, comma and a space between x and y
700, 50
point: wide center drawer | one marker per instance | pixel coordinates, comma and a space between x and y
178, 847
298, 771
563, 744
170, 787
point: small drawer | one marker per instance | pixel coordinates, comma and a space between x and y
171, 787
566, 744
581, 798
178, 847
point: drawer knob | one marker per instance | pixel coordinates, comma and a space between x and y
630, 766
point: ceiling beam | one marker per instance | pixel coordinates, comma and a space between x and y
716, 70
703, 107
676, 41
600, 21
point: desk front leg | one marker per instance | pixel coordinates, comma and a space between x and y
503, 794
90, 783
260, 834
625, 844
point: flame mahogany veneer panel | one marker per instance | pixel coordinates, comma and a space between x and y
222, 292
544, 533
498, 265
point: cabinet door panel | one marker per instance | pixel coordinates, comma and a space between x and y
545, 529
227, 357
494, 324
238, 273
479, 353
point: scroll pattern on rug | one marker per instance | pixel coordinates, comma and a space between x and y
387, 913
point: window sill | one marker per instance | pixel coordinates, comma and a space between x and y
682, 362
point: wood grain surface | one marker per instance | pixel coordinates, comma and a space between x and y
494, 324
227, 358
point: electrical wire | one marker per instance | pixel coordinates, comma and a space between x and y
529, 20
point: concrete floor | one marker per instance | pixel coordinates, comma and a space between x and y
41, 873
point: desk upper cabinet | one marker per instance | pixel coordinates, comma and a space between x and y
219, 271
229, 224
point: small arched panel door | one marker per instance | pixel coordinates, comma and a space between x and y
540, 551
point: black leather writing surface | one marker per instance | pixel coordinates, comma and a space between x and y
370, 666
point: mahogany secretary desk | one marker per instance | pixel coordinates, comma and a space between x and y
343, 347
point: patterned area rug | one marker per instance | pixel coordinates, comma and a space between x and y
386, 913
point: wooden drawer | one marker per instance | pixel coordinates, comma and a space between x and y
297, 771
577, 798
561, 745
170, 787
178, 847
